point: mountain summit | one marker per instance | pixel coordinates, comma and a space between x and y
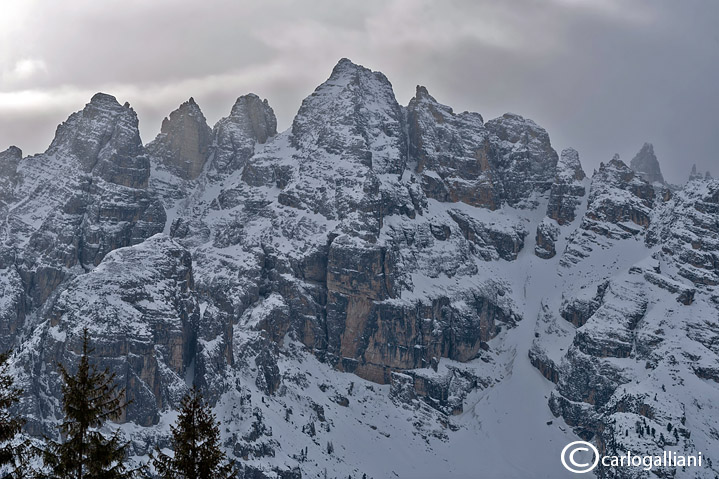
646, 164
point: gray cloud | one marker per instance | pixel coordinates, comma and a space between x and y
602, 76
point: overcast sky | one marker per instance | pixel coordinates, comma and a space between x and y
602, 76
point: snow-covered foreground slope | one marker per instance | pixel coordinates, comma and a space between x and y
382, 290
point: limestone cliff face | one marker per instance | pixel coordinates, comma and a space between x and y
524, 159
689, 232
9, 161
546, 238
452, 153
566, 195
141, 311
608, 205
371, 335
567, 189
183, 145
460, 158
12, 306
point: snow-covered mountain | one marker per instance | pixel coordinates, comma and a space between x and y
380, 289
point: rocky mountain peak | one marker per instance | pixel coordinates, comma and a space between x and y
452, 153
423, 100
694, 174
356, 115
184, 142
255, 116
103, 98
615, 172
646, 164
569, 166
619, 206
421, 93
104, 137
251, 121
440, 112
188, 108
85, 196
461, 158
517, 129
617, 197
526, 162
13, 152
9, 160
345, 66
350, 84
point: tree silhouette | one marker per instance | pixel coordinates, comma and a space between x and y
12, 456
90, 399
196, 444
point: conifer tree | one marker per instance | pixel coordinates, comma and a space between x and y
12, 456
90, 399
196, 444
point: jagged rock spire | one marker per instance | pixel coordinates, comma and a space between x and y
695, 175
646, 164
13, 153
569, 164
184, 142
567, 190
256, 117
9, 160
251, 121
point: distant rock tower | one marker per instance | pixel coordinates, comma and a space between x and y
646, 164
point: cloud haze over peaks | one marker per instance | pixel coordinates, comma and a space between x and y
602, 76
